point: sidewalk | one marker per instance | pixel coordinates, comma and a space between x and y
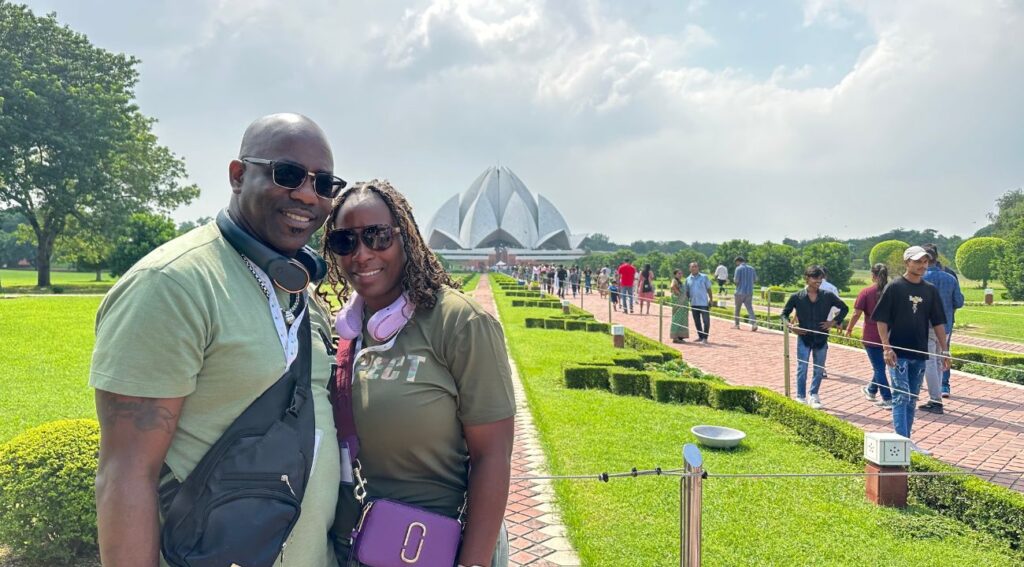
537, 537
983, 424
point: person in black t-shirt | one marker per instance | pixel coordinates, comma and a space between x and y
907, 309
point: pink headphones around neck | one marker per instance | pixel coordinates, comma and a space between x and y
383, 325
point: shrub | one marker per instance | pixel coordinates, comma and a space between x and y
554, 324
976, 502
595, 327
575, 325
890, 253
732, 398
629, 361
586, 377
534, 323
639, 342
651, 356
47, 498
978, 258
1014, 373
518, 303
681, 391
630, 383
842, 440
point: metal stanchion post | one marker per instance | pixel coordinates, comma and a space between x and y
785, 354
690, 486
661, 322
609, 310
769, 304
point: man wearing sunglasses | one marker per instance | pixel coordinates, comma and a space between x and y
196, 331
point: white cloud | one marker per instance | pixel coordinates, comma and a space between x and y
591, 109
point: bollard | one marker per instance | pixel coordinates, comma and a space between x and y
990, 296
886, 453
785, 354
690, 492
619, 336
565, 306
661, 322
609, 310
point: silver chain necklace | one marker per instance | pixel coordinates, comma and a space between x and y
293, 303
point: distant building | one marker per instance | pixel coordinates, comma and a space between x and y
497, 219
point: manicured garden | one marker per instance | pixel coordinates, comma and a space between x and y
757, 522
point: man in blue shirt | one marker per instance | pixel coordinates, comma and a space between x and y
744, 277
698, 287
952, 299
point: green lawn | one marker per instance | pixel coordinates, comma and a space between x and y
24, 281
745, 522
44, 362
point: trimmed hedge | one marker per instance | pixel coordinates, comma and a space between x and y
682, 391
554, 324
586, 377
1014, 374
639, 342
575, 325
534, 323
626, 382
651, 356
842, 440
732, 398
596, 327
47, 492
627, 360
976, 502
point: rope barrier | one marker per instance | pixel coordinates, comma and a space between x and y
605, 477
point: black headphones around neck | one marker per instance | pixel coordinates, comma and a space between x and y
290, 274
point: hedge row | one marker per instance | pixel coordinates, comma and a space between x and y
639, 342
536, 303
566, 324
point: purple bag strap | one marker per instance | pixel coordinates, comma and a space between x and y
341, 397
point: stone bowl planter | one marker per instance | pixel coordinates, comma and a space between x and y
717, 437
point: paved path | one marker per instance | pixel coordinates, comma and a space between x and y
982, 428
537, 537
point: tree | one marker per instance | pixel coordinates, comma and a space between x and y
833, 256
72, 142
1011, 265
681, 261
727, 251
774, 263
890, 253
12, 248
186, 226
140, 236
1010, 209
977, 258
598, 242
656, 259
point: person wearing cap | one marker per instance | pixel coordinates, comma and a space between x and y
932, 249
952, 299
908, 308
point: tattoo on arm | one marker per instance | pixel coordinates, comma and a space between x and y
145, 413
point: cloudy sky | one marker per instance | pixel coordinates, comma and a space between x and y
641, 119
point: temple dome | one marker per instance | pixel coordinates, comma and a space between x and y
498, 210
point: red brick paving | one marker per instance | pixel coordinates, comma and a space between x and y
537, 537
983, 424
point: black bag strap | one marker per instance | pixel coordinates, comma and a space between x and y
282, 401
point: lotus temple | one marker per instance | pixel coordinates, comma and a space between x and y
498, 221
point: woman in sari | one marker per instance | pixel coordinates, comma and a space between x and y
602, 282
680, 330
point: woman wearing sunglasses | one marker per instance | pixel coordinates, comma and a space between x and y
431, 387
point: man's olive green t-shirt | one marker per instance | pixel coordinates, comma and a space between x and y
447, 369
190, 320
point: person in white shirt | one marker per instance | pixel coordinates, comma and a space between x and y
721, 276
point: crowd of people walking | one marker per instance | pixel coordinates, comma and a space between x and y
906, 321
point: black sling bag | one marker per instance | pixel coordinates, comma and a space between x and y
242, 500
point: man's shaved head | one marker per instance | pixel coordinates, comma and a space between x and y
277, 130
282, 217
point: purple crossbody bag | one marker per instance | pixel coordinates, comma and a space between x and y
389, 533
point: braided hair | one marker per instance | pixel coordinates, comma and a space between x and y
422, 276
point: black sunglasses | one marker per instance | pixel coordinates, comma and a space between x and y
291, 176
344, 241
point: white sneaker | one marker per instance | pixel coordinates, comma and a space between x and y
919, 450
868, 395
815, 401
800, 400
884, 404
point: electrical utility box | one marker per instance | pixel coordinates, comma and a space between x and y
887, 449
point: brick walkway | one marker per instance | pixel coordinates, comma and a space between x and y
537, 537
982, 428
